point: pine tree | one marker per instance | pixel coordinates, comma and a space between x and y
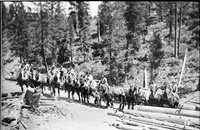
17, 30
156, 54
135, 22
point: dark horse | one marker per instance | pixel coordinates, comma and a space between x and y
23, 79
131, 94
69, 85
85, 92
54, 83
111, 93
78, 85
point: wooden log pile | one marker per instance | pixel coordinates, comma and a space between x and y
158, 118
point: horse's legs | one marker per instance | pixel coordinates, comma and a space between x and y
146, 102
84, 97
65, 87
77, 91
42, 87
79, 94
120, 102
99, 101
87, 95
68, 93
132, 102
95, 100
73, 90
129, 102
54, 91
59, 92
123, 101
22, 89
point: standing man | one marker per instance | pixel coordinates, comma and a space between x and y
174, 87
104, 83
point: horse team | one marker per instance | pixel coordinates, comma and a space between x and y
85, 86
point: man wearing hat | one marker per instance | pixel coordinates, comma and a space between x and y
104, 82
174, 87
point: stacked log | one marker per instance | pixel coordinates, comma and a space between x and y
159, 118
173, 111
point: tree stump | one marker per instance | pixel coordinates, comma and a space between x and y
32, 97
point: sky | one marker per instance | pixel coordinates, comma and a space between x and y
93, 5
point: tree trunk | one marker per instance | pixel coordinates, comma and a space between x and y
198, 86
149, 8
172, 111
98, 28
151, 73
20, 58
161, 14
193, 4
180, 24
161, 17
77, 22
170, 22
42, 39
175, 29
71, 38
128, 37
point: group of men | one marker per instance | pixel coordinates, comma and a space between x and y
87, 77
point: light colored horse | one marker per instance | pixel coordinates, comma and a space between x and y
142, 96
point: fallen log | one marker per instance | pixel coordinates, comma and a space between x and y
195, 102
189, 106
135, 123
127, 127
165, 117
4, 98
23, 124
46, 104
53, 99
153, 121
172, 111
8, 105
164, 123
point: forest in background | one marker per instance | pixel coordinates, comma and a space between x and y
122, 40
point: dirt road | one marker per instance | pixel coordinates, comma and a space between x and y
75, 115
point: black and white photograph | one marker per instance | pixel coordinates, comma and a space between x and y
100, 65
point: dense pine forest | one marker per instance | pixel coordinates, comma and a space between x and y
123, 40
